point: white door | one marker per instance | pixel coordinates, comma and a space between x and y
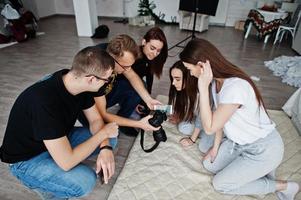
221, 13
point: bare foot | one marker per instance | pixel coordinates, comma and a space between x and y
287, 191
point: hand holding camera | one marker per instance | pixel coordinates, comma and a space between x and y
146, 126
159, 135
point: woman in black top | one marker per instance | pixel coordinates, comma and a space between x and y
154, 52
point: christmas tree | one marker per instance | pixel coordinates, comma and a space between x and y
146, 7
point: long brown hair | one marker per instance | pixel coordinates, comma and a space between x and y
201, 50
184, 101
156, 65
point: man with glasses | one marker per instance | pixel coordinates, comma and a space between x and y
124, 51
43, 148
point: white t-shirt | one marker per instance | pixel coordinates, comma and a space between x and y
248, 123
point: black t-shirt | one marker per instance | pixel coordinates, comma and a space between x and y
45, 110
142, 69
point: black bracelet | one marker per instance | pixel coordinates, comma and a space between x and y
191, 140
106, 147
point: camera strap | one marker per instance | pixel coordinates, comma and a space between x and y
142, 141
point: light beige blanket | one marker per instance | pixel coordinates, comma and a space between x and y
172, 172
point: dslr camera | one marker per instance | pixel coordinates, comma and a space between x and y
159, 116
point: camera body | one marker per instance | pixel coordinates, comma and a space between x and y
158, 118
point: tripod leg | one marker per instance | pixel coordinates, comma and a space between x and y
177, 45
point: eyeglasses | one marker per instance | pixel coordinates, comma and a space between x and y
123, 67
106, 80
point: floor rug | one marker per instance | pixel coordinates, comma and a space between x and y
288, 68
172, 172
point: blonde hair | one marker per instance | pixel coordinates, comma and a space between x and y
121, 43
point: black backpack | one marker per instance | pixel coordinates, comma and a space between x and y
101, 31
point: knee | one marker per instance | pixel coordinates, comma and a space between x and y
222, 185
131, 99
185, 128
135, 98
83, 182
81, 130
203, 147
209, 166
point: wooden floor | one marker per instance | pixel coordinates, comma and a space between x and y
23, 64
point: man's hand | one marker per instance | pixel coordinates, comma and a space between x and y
145, 124
151, 102
105, 162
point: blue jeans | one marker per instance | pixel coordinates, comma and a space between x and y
43, 175
247, 169
187, 128
125, 95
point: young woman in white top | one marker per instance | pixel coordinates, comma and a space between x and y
185, 105
244, 162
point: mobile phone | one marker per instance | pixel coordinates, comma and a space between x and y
165, 108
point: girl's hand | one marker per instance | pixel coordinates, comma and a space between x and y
206, 75
186, 141
211, 154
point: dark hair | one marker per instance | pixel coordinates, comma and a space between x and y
184, 101
92, 60
201, 50
121, 43
156, 65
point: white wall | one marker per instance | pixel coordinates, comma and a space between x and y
31, 5
45, 7
110, 8
114, 8
169, 8
64, 7
237, 9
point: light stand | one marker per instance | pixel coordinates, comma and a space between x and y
193, 28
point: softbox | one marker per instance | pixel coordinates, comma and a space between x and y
207, 7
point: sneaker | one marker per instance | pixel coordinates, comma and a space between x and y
128, 131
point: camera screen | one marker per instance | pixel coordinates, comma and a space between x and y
164, 108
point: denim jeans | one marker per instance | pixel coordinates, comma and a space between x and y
125, 95
247, 169
187, 128
44, 176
